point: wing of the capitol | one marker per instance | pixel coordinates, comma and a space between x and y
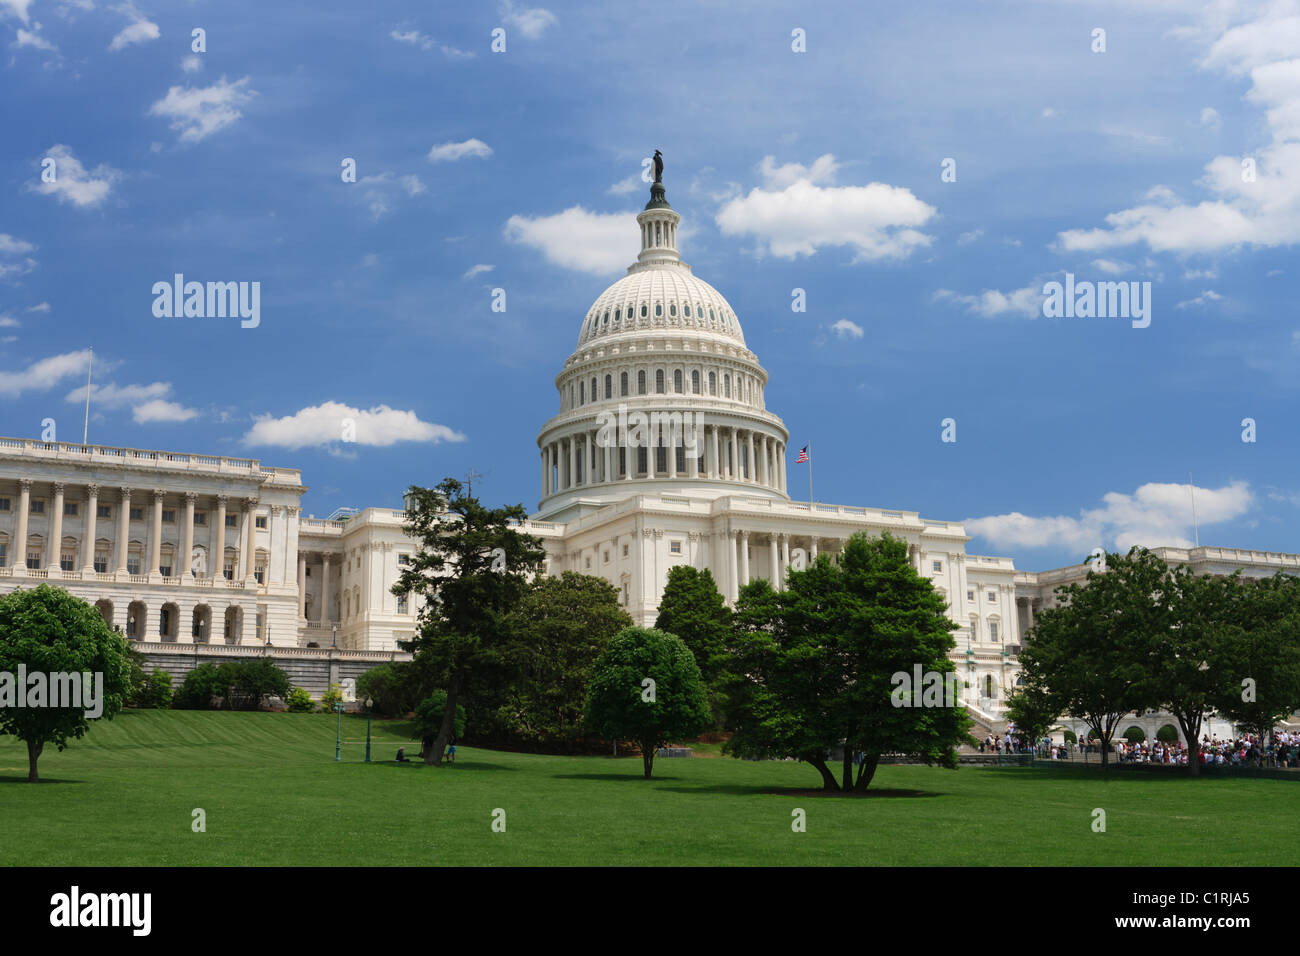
662, 452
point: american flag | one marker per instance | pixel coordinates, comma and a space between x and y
803, 456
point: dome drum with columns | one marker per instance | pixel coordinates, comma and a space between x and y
663, 343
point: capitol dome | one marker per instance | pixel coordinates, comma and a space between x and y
663, 345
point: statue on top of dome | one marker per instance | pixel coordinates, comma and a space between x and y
659, 166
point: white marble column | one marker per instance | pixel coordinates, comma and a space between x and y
785, 559
155, 538
218, 558
24, 508
751, 476
186, 558
56, 527
88, 530
250, 566
123, 529
774, 576
744, 558
733, 572
573, 463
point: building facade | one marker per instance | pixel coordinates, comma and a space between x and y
662, 452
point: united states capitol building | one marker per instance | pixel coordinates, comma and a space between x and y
663, 452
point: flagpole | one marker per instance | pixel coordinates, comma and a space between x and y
810, 497
85, 431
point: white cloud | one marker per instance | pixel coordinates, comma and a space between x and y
625, 187
13, 259
1201, 274
454, 151
324, 424
990, 303
1210, 117
9, 322
148, 403
1263, 211
33, 39
11, 246
16, 8
198, 113
159, 410
1111, 266
380, 190
140, 30
1205, 298
821, 172
531, 23
414, 38
966, 238
192, 63
44, 373
39, 307
472, 271
599, 243
877, 220
72, 181
1156, 515
847, 330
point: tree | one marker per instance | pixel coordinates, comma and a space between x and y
693, 608
247, 683
1032, 710
429, 719
1261, 655
1092, 654
154, 691
200, 686
471, 567
647, 687
829, 663
46, 631
392, 687
557, 632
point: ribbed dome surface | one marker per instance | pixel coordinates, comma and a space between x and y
665, 297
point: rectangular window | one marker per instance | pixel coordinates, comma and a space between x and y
101, 561
993, 597
169, 516
625, 551
67, 560
201, 519
232, 521
33, 560
166, 568
137, 514
69, 509
260, 574
993, 630
970, 595
401, 604
937, 565
133, 564
103, 511
4, 555
38, 506
4, 504
228, 570
607, 557
674, 547
259, 521
403, 559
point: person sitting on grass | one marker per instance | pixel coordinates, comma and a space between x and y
451, 752
401, 755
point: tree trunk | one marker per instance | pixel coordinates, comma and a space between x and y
828, 778
647, 756
1193, 746
448, 725
866, 771
847, 785
34, 748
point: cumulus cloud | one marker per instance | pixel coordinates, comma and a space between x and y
991, 303
1259, 210
794, 215
1155, 515
425, 42
73, 183
192, 63
44, 373
1205, 298
16, 8
198, 113
473, 271
148, 403
454, 151
326, 424
380, 191
33, 39
140, 30
598, 243
532, 23
14, 260
159, 410
847, 330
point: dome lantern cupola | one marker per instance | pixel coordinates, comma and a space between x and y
658, 222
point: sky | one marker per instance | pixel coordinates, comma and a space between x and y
922, 172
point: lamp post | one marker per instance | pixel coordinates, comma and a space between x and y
338, 739
369, 703
336, 637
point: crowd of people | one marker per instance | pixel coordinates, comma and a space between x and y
1245, 750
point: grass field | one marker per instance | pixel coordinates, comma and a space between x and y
274, 795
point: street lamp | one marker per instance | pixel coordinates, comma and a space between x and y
369, 703
336, 637
338, 739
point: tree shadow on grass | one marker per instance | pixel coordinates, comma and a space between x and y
449, 767
611, 777
854, 794
23, 779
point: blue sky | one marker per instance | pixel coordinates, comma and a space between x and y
819, 170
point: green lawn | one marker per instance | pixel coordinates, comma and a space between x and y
274, 795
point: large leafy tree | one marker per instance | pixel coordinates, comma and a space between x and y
693, 608
815, 665
48, 631
647, 687
1092, 655
557, 631
472, 566
1260, 655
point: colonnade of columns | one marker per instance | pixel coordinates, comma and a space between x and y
719, 452
777, 544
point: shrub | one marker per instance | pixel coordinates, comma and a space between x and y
300, 701
154, 691
393, 687
1070, 738
200, 686
428, 717
250, 682
1168, 734
1135, 735
331, 697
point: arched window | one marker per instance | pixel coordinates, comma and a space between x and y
659, 381
622, 383
672, 308
643, 310
713, 383
659, 309
640, 382
726, 386
594, 393
695, 381
988, 685
686, 311
582, 397
609, 386
677, 380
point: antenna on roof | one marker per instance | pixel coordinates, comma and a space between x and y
85, 431
469, 481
